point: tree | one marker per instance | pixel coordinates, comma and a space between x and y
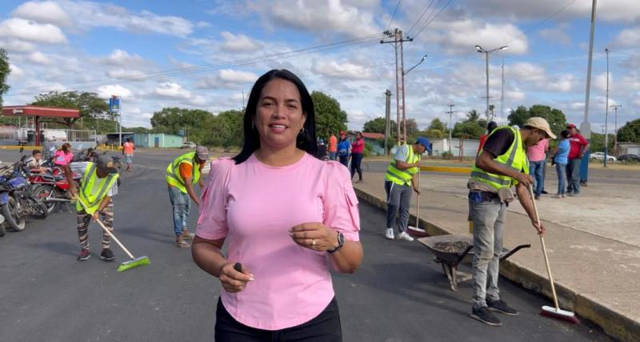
4, 72
436, 124
377, 125
89, 104
472, 127
630, 132
412, 129
226, 129
555, 117
329, 117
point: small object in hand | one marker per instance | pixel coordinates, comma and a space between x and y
313, 242
238, 267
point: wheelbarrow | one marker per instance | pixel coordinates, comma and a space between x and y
451, 250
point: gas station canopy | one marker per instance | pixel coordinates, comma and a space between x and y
37, 112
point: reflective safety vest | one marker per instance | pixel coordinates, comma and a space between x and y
402, 177
93, 188
173, 176
515, 157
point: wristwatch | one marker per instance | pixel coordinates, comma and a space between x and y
340, 244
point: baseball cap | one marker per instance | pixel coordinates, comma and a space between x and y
541, 124
202, 152
424, 142
571, 125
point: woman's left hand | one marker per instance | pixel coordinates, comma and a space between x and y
315, 236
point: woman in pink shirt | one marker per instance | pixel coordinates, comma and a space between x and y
63, 156
284, 216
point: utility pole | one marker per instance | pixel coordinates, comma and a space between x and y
387, 115
450, 124
398, 41
502, 90
606, 115
480, 49
615, 128
585, 126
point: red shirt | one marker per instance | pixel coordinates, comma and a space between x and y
357, 146
483, 139
333, 144
576, 141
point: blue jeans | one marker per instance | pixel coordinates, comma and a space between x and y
333, 155
488, 220
561, 170
344, 159
535, 169
573, 175
181, 206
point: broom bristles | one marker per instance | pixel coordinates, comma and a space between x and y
564, 315
139, 261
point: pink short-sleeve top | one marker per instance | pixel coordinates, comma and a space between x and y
253, 206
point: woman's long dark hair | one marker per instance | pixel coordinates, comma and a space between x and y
306, 139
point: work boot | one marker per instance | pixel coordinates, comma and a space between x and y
389, 234
106, 255
181, 243
186, 235
84, 255
502, 307
485, 316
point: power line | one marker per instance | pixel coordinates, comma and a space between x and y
433, 18
420, 17
393, 15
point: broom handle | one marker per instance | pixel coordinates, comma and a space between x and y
544, 251
108, 232
418, 204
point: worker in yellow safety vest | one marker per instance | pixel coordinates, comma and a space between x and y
399, 181
181, 175
500, 165
98, 185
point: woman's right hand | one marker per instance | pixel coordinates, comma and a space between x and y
233, 281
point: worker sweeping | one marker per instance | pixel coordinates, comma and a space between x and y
501, 164
399, 181
98, 185
181, 175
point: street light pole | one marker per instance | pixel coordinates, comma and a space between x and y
615, 128
606, 115
486, 54
450, 124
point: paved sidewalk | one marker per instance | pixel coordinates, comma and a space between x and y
592, 241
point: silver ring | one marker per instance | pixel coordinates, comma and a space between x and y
313, 242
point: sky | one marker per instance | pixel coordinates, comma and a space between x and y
207, 54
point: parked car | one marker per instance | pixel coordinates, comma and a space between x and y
189, 144
629, 157
600, 156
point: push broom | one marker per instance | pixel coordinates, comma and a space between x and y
129, 264
549, 311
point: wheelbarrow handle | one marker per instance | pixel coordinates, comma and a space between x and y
513, 251
464, 254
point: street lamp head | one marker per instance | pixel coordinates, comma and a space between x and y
505, 47
479, 48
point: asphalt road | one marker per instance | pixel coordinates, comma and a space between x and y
399, 293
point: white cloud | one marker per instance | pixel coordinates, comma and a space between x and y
106, 91
28, 30
527, 72
344, 70
125, 74
91, 14
348, 17
562, 83
556, 35
38, 58
16, 72
15, 45
515, 95
460, 36
600, 81
235, 76
172, 90
238, 42
43, 12
629, 37
123, 58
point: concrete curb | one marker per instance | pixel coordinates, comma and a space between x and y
450, 169
612, 322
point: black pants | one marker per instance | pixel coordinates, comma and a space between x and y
324, 328
356, 160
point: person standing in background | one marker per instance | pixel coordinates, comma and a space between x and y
560, 159
127, 151
333, 146
536, 155
344, 149
579, 145
356, 156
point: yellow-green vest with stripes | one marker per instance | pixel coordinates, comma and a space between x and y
173, 176
93, 188
515, 157
402, 177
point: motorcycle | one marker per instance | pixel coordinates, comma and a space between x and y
16, 198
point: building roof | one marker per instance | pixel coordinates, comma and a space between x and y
369, 135
49, 112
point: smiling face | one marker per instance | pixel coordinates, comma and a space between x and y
279, 116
